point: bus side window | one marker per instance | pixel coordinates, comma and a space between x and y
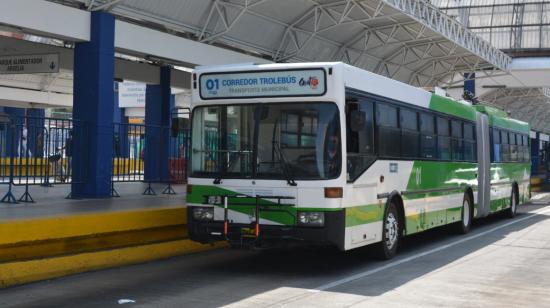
515, 149
457, 142
469, 143
409, 133
427, 139
389, 134
443, 139
496, 145
360, 144
504, 147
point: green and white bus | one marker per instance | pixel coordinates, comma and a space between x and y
329, 154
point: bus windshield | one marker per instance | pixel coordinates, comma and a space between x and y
288, 141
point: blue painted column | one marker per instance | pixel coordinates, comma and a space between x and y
93, 102
13, 134
158, 105
535, 150
470, 84
36, 131
3, 133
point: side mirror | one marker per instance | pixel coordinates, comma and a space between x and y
357, 120
178, 124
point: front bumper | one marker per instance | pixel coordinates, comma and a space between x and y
332, 233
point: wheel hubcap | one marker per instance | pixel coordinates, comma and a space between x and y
465, 213
391, 228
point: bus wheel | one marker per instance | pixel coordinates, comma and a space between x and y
465, 223
512, 210
390, 233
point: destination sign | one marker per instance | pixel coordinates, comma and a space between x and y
304, 82
29, 64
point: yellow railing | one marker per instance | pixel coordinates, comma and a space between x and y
41, 166
127, 166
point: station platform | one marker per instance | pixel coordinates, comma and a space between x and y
52, 201
54, 236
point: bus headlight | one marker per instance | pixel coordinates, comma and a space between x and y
311, 219
203, 213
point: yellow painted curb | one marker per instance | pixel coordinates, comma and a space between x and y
50, 228
80, 244
536, 181
15, 273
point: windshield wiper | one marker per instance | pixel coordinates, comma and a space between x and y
232, 160
220, 174
284, 165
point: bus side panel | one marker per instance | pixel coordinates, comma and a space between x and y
435, 193
420, 183
502, 177
364, 210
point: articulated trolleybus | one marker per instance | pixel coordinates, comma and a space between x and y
329, 154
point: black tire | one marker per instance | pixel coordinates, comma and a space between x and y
466, 216
391, 233
512, 210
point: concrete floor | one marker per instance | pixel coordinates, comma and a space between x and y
501, 263
50, 201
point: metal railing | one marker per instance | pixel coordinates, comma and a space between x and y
133, 143
39, 151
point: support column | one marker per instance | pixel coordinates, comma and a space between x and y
93, 103
158, 105
3, 136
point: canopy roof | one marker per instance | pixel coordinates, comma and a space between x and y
507, 24
408, 40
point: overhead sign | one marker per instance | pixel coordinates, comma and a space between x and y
303, 82
131, 94
29, 64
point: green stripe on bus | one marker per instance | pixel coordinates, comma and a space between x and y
452, 107
364, 214
427, 175
284, 215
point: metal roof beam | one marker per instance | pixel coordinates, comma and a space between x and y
453, 30
105, 6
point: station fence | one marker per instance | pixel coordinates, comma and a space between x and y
38, 151
133, 143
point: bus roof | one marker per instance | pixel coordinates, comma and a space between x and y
500, 119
